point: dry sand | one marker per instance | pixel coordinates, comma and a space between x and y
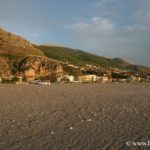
74, 116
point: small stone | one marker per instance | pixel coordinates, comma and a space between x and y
79, 116
52, 132
13, 120
89, 120
9, 131
93, 113
71, 128
114, 121
103, 109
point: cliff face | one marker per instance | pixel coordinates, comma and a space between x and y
12, 49
4, 68
18, 56
36, 67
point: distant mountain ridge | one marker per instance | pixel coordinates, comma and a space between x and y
13, 48
80, 57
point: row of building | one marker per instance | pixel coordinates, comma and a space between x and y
89, 78
100, 79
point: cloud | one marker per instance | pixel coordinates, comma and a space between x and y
101, 3
90, 34
118, 29
143, 15
94, 26
104, 37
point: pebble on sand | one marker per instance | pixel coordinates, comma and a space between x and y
89, 120
52, 132
93, 113
70, 128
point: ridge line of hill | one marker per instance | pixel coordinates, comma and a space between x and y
13, 48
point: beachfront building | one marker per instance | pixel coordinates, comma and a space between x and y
148, 79
122, 80
138, 79
65, 78
87, 78
103, 79
131, 79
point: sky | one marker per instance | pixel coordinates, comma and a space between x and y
110, 28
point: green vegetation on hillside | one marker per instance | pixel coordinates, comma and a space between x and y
71, 71
74, 56
80, 58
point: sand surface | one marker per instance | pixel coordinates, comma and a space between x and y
74, 116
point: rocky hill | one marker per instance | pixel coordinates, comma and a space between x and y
12, 49
11, 44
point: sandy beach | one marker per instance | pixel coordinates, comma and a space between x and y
74, 116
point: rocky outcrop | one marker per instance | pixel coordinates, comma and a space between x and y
4, 68
13, 48
36, 67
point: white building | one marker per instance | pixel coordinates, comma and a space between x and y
122, 80
65, 78
131, 79
88, 78
148, 78
138, 79
103, 79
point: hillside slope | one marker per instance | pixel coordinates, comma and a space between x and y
13, 48
75, 56
11, 44
79, 57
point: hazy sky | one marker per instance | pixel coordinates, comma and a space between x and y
112, 28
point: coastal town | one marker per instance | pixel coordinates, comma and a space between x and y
55, 72
22, 62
